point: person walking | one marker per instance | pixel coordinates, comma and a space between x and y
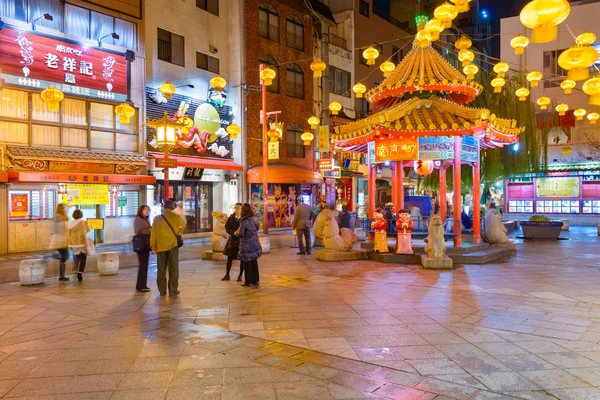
303, 219
143, 230
59, 240
78, 242
166, 228
250, 248
233, 243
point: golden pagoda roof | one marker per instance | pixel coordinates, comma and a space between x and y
423, 69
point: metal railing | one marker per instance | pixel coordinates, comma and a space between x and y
338, 41
268, 31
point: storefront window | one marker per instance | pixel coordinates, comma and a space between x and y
31, 204
40, 112
45, 135
102, 115
37, 8
76, 138
77, 21
197, 203
103, 140
14, 133
13, 104
126, 142
124, 203
74, 112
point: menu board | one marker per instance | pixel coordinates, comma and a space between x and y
591, 206
520, 206
563, 186
557, 206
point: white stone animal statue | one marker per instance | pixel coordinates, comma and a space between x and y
319, 223
495, 230
219, 236
336, 239
435, 246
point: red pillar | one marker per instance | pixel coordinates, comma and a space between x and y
456, 187
395, 184
265, 153
372, 189
398, 185
477, 202
443, 204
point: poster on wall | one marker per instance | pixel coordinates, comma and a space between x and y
281, 203
80, 195
442, 148
19, 205
563, 186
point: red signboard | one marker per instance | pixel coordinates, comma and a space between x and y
166, 163
326, 164
38, 62
396, 149
74, 177
19, 205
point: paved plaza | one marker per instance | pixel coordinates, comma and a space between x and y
527, 327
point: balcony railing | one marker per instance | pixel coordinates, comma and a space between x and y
295, 150
338, 41
268, 31
295, 41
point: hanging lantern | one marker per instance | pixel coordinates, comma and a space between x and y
562, 108
273, 135
497, 84
335, 107
307, 137
519, 43
387, 67
318, 67
566, 151
586, 39
125, 112
567, 85
233, 130
591, 87
542, 16
470, 71
423, 38
359, 89
501, 68
462, 44
423, 167
370, 54
267, 75
534, 77
466, 57
52, 96
434, 28
462, 6
314, 122
522, 93
543, 102
593, 117
578, 60
445, 13
167, 89
579, 113
218, 83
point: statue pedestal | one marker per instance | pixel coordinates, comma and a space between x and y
432, 263
213, 255
334, 255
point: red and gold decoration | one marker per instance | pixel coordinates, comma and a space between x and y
561, 109
591, 87
519, 43
125, 112
53, 97
318, 67
543, 16
423, 167
396, 149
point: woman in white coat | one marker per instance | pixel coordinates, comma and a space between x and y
79, 243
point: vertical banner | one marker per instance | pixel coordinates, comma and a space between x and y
273, 150
19, 205
324, 138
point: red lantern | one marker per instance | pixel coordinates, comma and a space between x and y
423, 167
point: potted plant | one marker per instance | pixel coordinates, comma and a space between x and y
541, 227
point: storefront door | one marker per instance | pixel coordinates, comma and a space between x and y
197, 203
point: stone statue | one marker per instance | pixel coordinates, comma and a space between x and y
404, 227
379, 226
495, 230
435, 246
336, 239
319, 223
219, 236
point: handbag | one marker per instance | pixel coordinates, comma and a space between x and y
141, 242
179, 238
89, 246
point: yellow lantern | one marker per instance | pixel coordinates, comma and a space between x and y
519, 43
522, 93
125, 112
445, 13
233, 130
567, 85
501, 68
267, 75
543, 102
370, 54
52, 96
470, 71
273, 135
314, 122
578, 60
167, 89
335, 107
542, 16
579, 113
423, 38
462, 6
218, 83
318, 67
586, 39
534, 77
434, 27
593, 117
497, 84
466, 57
591, 87
387, 67
359, 89
307, 137
462, 44
566, 151
562, 108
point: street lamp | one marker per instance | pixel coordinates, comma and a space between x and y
266, 79
113, 35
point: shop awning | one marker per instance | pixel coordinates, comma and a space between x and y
75, 177
200, 162
279, 173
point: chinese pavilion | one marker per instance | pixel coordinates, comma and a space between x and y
420, 113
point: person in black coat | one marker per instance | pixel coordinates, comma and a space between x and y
250, 247
233, 243
345, 217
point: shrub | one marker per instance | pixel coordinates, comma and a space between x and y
539, 218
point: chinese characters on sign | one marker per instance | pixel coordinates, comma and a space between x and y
19, 205
95, 223
193, 173
323, 138
567, 186
396, 149
67, 166
336, 172
86, 195
326, 164
273, 150
59, 177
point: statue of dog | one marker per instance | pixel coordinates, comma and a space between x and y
219, 236
435, 246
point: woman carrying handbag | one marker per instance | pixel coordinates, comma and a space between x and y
141, 245
80, 243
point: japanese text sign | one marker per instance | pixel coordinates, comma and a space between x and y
87, 195
323, 138
396, 149
19, 205
336, 172
95, 223
273, 150
326, 164
39, 62
567, 186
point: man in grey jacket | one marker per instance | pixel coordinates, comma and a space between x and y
303, 220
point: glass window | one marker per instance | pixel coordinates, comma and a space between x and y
295, 81
13, 9
268, 22
103, 140
74, 112
339, 81
364, 106
397, 55
364, 8
272, 63
126, 32
126, 142
74, 138
14, 103
37, 9
102, 25
212, 6
102, 115
132, 126
207, 62
171, 47
40, 203
77, 21
39, 110
14, 132
294, 144
131, 199
295, 32
45, 135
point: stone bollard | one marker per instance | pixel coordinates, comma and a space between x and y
360, 234
108, 263
32, 272
565, 226
265, 243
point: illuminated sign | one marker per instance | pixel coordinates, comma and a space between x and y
95, 223
86, 195
442, 148
68, 166
326, 164
273, 150
396, 149
567, 186
323, 140
336, 172
35, 61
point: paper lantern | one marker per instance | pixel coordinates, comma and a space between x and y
501, 68
307, 137
462, 6
497, 84
543, 102
534, 77
593, 117
318, 67
167, 89
434, 27
445, 13
567, 85
578, 60
267, 75
566, 151
579, 113
562, 108
466, 57
53, 97
218, 83
335, 107
519, 43
423, 38
314, 122
370, 54
591, 87
125, 112
359, 89
423, 167
273, 135
470, 71
233, 130
387, 67
586, 39
462, 44
522, 93
542, 16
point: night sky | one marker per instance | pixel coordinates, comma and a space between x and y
496, 10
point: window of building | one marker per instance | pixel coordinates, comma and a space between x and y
294, 81
171, 47
364, 8
295, 32
207, 62
272, 63
397, 55
339, 81
131, 199
40, 203
268, 22
364, 107
212, 6
294, 143
551, 68
94, 25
